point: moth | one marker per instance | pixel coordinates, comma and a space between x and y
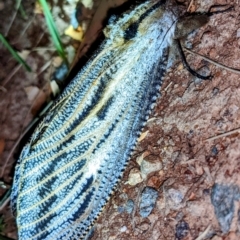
77, 154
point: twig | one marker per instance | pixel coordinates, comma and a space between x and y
3, 89
234, 70
13, 18
204, 234
223, 134
25, 29
15, 70
190, 5
39, 40
166, 88
44, 67
11, 23
43, 49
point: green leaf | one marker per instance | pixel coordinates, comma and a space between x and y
53, 30
20, 8
14, 53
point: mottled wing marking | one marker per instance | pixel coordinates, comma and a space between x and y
78, 152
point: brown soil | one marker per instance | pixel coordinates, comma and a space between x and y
190, 151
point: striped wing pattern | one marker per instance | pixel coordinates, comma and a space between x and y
75, 157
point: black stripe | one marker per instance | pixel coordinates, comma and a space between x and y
131, 31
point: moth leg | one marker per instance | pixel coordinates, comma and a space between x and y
210, 13
186, 65
187, 24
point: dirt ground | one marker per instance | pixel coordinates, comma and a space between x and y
183, 179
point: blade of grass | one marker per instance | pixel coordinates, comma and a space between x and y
53, 30
18, 3
14, 53
20, 8
22, 12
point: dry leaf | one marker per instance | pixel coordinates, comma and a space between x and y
38, 8
180, 67
76, 34
24, 54
151, 119
143, 135
57, 61
31, 92
55, 88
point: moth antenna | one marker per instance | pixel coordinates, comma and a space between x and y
186, 65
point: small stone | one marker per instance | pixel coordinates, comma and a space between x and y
161, 173
149, 167
188, 45
121, 209
144, 226
32, 92
179, 216
123, 229
141, 157
182, 229
204, 71
74, 20
134, 177
214, 151
147, 201
87, 4
213, 53
206, 192
215, 91
61, 73
192, 197
216, 238
199, 169
112, 238
154, 182
238, 33
57, 61
174, 198
129, 206
222, 198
